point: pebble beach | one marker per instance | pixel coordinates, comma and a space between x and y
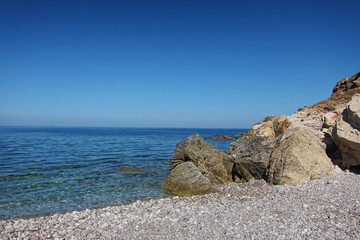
328, 208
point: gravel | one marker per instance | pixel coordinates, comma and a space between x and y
328, 208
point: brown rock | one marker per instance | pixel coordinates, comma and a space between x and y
221, 137
127, 169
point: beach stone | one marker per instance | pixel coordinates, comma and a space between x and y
186, 180
299, 157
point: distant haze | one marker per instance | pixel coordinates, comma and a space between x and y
170, 63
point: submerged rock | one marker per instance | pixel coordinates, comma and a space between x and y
127, 169
221, 137
239, 135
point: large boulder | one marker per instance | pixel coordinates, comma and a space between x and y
346, 134
207, 158
299, 157
196, 166
252, 151
187, 180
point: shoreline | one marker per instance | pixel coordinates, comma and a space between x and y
324, 208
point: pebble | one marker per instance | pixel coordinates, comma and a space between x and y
253, 210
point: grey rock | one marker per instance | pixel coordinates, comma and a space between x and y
252, 151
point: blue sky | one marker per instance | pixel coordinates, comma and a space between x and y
185, 63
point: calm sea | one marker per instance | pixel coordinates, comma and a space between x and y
50, 169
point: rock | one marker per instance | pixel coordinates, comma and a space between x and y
329, 119
252, 152
186, 180
299, 157
196, 167
313, 116
353, 112
348, 141
271, 126
207, 158
221, 137
346, 84
127, 169
346, 134
239, 135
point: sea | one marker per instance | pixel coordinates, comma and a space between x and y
46, 170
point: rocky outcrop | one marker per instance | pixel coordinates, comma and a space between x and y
279, 149
299, 157
205, 159
221, 137
343, 91
346, 85
336, 121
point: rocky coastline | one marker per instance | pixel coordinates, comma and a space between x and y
312, 143
286, 178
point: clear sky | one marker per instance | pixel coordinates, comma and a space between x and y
171, 63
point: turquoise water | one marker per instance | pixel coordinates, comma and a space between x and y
47, 169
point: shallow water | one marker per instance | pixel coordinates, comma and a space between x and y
50, 169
